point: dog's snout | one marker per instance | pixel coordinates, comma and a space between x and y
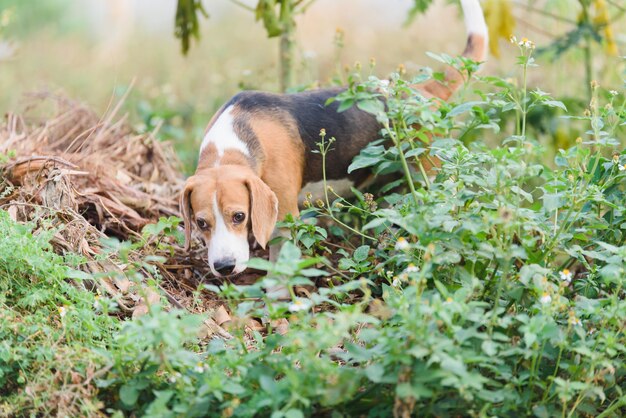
225, 267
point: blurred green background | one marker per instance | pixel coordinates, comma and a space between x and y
94, 50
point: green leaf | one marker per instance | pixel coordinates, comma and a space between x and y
375, 372
419, 6
345, 105
129, 394
372, 106
464, 107
555, 103
361, 253
294, 413
489, 347
551, 202
362, 161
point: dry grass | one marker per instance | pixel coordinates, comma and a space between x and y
90, 178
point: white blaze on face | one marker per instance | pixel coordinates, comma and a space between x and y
226, 245
222, 135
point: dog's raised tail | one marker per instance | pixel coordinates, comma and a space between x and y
476, 48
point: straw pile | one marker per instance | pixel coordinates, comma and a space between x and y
91, 177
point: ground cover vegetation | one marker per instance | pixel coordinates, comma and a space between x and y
491, 286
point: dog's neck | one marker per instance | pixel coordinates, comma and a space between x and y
210, 158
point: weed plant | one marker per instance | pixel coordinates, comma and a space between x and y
493, 287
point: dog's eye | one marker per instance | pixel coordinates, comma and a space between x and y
238, 217
202, 224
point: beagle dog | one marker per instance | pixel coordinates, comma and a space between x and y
256, 157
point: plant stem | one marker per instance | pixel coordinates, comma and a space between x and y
587, 49
524, 93
405, 166
287, 46
617, 404
323, 150
556, 371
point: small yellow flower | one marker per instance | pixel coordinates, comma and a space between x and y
449, 300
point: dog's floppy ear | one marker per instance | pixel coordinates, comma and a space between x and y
185, 209
263, 210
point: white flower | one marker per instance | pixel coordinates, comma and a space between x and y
300, 304
96, 303
411, 269
402, 244
173, 378
614, 92
62, 311
545, 298
199, 368
622, 167
513, 39
566, 276
526, 43
398, 280
575, 321
384, 86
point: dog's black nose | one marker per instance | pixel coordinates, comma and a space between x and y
225, 266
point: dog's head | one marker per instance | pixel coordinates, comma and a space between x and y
226, 203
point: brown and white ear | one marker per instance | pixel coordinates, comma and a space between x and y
263, 208
186, 211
